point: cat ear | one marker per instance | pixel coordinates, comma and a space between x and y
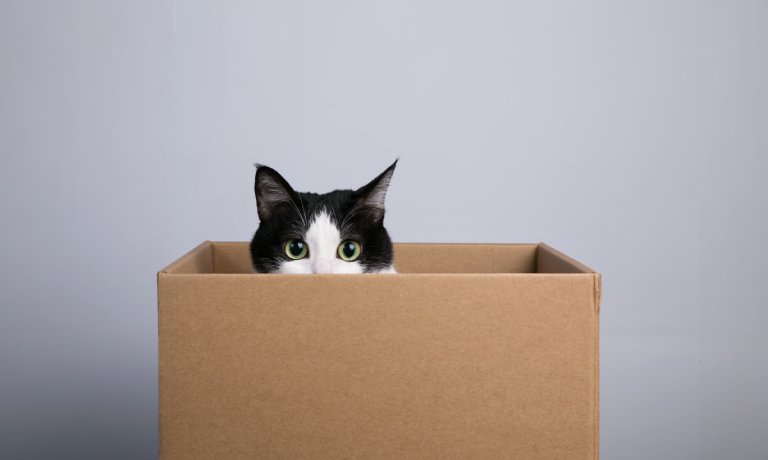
271, 190
373, 194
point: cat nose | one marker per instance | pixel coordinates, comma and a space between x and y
322, 266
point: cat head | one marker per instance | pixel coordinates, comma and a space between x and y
336, 232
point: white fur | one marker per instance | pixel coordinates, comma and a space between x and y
387, 271
323, 239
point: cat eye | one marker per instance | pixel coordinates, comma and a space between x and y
296, 249
349, 250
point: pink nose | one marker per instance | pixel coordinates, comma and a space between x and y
322, 266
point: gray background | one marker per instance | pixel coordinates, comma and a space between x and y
631, 135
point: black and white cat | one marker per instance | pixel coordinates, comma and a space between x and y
336, 232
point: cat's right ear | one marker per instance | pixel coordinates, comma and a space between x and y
271, 191
372, 194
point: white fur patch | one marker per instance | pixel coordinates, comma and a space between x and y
323, 239
387, 271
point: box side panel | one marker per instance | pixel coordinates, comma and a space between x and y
597, 387
198, 260
550, 260
415, 258
380, 367
513, 258
232, 258
465, 258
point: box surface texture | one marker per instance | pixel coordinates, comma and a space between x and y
471, 351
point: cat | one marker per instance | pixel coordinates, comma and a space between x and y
337, 232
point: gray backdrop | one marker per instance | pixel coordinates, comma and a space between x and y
631, 135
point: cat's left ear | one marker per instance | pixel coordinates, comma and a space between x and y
372, 195
272, 191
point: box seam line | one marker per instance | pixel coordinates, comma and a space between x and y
597, 293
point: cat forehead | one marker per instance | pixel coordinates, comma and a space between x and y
335, 201
323, 230
324, 208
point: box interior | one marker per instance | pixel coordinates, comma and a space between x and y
410, 258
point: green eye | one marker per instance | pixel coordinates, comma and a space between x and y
349, 250
295, 249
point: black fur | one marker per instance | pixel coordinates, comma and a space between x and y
285, 214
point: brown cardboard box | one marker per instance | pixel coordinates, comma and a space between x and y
472, 351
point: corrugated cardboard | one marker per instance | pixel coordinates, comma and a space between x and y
472, 351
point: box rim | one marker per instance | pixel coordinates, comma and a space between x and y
168, 268
583, 268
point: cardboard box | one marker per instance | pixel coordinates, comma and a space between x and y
472, 351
